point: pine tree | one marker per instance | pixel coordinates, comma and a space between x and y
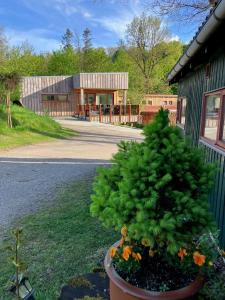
67, 39
87, 39
158, 188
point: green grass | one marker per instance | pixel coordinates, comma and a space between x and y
60, 242
28, 128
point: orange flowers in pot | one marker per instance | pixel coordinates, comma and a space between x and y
199, 259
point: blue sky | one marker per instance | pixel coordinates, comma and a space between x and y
43, 22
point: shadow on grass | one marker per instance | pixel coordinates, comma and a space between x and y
60, 242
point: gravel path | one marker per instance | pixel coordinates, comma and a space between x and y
31, 175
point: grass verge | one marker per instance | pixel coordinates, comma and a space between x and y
59, 243
28, 128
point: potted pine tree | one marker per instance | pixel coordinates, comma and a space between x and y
157, 192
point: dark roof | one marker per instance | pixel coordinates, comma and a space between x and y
211, 23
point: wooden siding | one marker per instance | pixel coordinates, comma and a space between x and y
111, 81
33, 87
193, 86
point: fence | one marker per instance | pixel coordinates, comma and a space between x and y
120, 113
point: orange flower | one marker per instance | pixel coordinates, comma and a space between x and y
136, 256
182, 253
112, 251
122, 240
126, 253
199, 259
124, 231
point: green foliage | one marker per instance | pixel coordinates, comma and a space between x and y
74, 58
28, 128
67, 39
158, 189
15, 259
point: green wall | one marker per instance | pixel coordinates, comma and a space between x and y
193, 86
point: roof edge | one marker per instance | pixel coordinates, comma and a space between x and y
208, 28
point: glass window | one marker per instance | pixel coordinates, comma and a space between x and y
181, 110
91, 99
105, 99
212, 106
62, 97
55, 97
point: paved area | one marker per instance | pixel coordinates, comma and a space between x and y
31, 175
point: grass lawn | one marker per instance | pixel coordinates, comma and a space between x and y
60, 242
28, 128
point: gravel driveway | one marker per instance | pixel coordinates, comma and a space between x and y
31, 175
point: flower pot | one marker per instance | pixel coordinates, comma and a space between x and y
122, 290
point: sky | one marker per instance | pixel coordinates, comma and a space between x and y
42, 23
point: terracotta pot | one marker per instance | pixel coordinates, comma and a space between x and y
122, 290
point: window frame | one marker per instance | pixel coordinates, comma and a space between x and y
55, 94
221, 118
179, 111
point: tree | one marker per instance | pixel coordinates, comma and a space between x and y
143, 37
67, 39
182, 9
3, 47
63, 62
158, 189
9, 83
24, 61
87, 39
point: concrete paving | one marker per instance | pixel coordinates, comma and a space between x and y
30, 176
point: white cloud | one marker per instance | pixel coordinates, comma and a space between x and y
36, 37
174, 38
120, 17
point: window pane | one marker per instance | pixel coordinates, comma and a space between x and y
104, 99
183, 110
212, 115
62, 97
44, 97
91, 99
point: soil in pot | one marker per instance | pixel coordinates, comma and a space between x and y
157, 275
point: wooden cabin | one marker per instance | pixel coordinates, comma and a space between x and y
200, 74
61, 95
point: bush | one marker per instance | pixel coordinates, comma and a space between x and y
158, 188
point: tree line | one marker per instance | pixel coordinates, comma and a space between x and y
147, 52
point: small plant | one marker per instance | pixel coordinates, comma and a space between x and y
157, 190
19, 265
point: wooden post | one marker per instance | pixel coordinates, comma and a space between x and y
8, 110
129, 113
100, 113
125, 97
110, 114
120, 113
82, 97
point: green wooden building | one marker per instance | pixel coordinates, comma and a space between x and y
200, 74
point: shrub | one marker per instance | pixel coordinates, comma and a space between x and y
158, 188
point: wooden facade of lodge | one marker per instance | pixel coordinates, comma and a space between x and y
200, 74
62, 95
100, 97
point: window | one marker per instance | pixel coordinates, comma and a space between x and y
150, 102
164, 103
212, 121
104, 99
170, 102
55, 97
181, 111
